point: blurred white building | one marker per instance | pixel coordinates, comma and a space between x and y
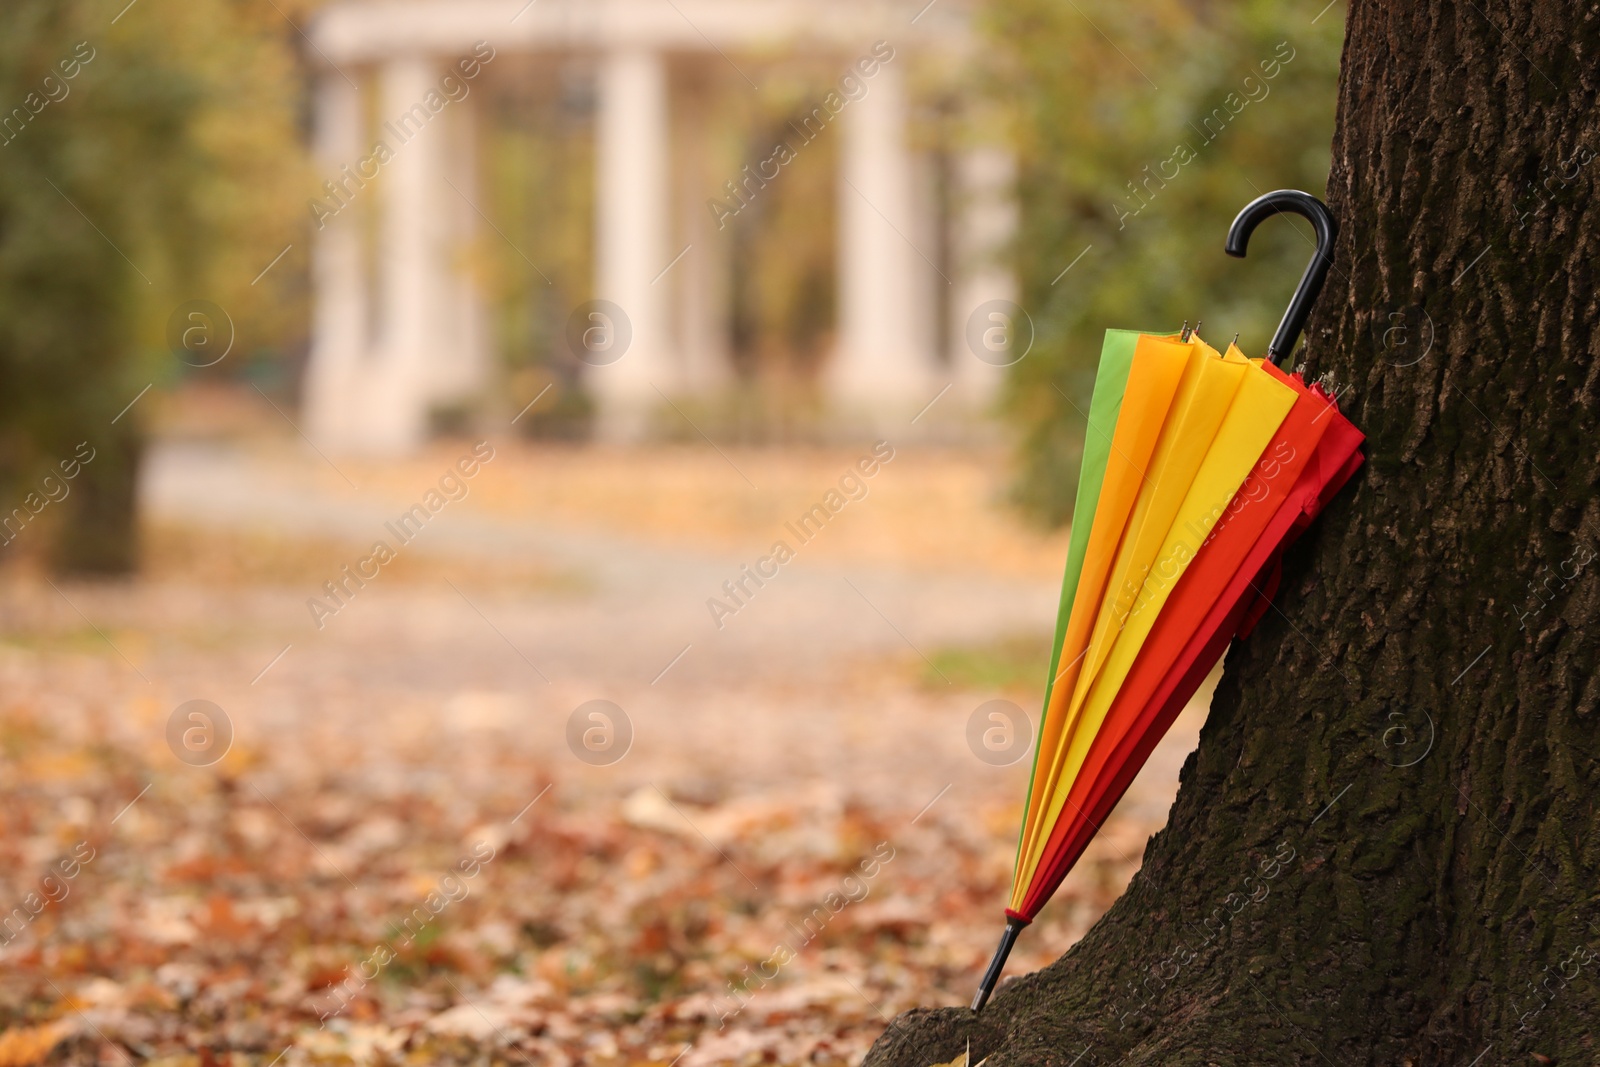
401, 327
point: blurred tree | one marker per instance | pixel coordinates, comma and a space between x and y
1141, 130
782, 258
780, 242
539, 165
149, 156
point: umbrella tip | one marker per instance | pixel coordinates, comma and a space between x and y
991, 977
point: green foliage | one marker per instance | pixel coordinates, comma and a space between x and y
1009, 664
781, 244
539, 172
146, 158
1142, 129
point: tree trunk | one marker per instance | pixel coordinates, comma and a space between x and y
99, 533
1402, 761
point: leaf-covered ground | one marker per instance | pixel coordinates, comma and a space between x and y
780, 840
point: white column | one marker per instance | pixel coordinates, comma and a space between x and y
412, 255
460, 367
985, 223
632, 245
877, 367
339, 286
700, 278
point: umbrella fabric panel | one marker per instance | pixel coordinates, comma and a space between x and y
1256, 411
1110, 382
1153, 380
1219, 557
1231, 616
1209, 384
1251, 422
1153, 720
1310, 457
1127, 532
1337, 461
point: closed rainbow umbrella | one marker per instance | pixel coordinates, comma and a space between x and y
1199, 468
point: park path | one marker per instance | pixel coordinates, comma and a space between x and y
785, 679
753, 769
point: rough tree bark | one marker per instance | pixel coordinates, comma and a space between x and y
1417, 728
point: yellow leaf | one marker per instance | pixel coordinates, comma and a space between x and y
961, 1060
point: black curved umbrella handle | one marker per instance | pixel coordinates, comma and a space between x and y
1290, 202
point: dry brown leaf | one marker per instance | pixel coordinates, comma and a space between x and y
331, 895
24, 1046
